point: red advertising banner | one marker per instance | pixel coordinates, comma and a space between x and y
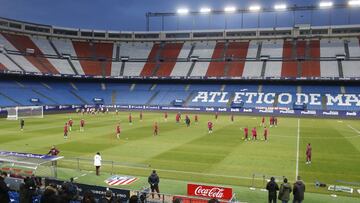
207, 191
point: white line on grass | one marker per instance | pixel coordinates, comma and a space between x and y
297, 150
82, 175
354, 129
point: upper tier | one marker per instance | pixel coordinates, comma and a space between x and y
311, 56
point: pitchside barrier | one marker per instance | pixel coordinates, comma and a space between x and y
245, 111
83, 164
259, 181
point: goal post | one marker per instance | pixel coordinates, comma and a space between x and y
14, 113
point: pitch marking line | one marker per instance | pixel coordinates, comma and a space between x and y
354, 129
82, 175
297, 150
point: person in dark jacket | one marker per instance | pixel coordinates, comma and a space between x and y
4, 189
272, 187
298, 191
154, 180
27, 190
88, 197
108, 198
284, 192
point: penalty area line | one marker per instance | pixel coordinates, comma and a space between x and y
354, 129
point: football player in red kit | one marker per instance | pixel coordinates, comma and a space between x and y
70, 124
308, 153
271, 121
196, 118
254, 133
266, 131
118, 130
165, 116
53, 151
82, 125
246, 133
275, 121
130, 119
177, 118
210, 127
156, 128
66, 131
263, 121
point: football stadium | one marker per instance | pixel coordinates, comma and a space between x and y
236, 102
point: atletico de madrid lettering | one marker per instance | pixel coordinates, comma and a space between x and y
120, 180
351, 100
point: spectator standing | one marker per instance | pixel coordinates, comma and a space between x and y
70, 190
298, 191
88, 197
284, 192
272, 187
4, 189
154, 181
97, 163
108, 198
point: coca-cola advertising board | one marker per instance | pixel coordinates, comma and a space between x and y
208, 191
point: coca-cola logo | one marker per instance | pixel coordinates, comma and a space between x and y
213, 192
209, 191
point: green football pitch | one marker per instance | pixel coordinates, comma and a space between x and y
183, 154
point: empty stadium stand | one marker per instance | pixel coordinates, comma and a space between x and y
292, 56
316, 97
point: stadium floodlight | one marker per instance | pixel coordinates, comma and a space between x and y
183, 11
255, 8
230, 9
205, 10
325, 4
354, 3
280, 7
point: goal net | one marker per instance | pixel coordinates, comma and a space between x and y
14, 113
27, 164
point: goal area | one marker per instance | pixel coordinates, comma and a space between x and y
27, 164
14, 113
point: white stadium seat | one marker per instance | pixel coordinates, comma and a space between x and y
273, 69
252, 50
44, 45
252, 69
351, 68
136, 49
185, 50
329, 69
8, 63
273, 48
331, 48
181, 69
133, 68
115, 68
204, 49
62, 65
200, 69
354, 48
